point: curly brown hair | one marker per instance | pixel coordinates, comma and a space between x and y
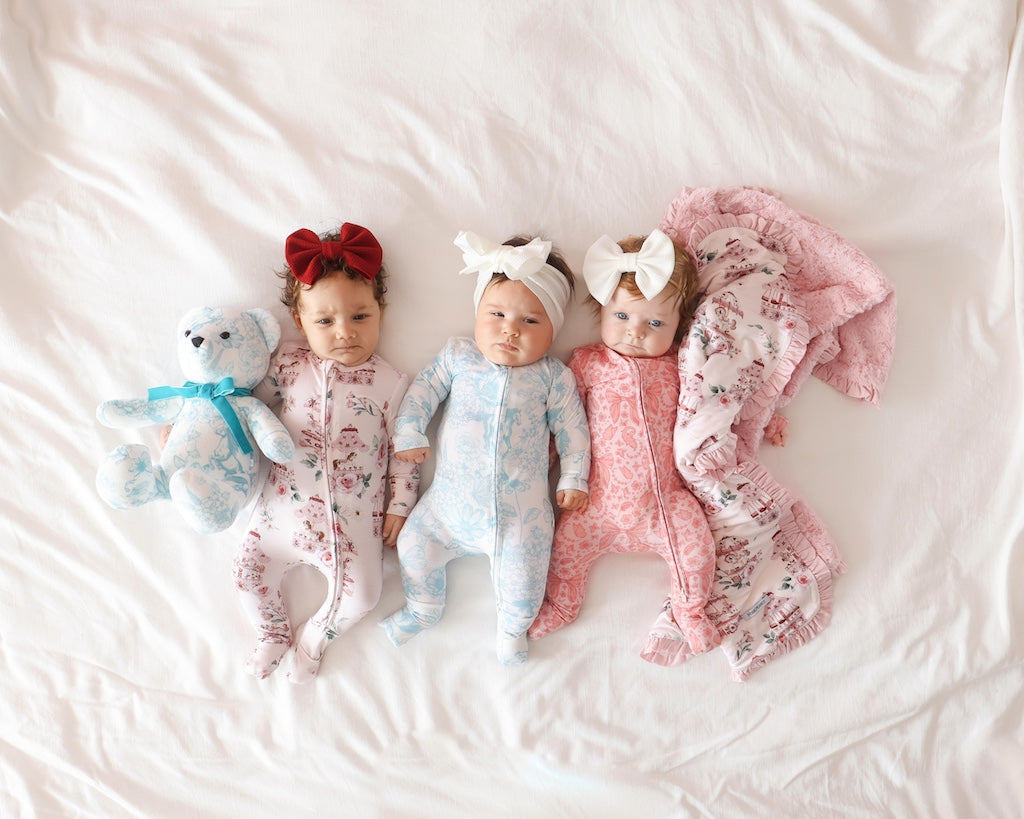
292, 288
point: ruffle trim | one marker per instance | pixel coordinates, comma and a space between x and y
778, 234
762, 404
838, 376
820, 554
666, 645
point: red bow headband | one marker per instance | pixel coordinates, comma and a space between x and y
355, 246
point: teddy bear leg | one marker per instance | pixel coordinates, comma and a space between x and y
127, 477
207, 505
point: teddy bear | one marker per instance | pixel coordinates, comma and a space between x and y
208, 467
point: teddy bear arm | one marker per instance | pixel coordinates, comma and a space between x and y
270, 434
138, 412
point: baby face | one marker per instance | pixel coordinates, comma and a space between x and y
633, 326
512, 327
340, 319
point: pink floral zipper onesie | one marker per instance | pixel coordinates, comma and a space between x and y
638, 501
326, 508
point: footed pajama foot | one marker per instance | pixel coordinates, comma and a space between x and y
402, 626
666, 644
512, 650
701, 633
303, 667
265, 658
550, 618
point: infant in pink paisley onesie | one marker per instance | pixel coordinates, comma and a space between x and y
630, 388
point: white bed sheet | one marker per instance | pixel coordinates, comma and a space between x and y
153, 156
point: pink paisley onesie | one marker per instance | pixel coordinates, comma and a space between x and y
326, 508
638, 501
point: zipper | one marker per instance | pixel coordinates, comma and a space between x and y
496, 549
656, 482
328, 370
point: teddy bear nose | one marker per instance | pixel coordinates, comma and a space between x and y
197, 341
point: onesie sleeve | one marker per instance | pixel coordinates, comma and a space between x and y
567, 421
403, 478
426, 394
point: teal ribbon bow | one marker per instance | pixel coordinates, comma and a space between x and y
217, 393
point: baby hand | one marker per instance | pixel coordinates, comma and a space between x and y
777, 430
413, 456
572, 500
392, 526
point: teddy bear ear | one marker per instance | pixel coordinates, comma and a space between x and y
268, 325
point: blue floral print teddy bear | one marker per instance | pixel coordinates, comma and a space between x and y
208, 466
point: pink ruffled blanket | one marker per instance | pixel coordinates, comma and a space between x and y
836, 320
850, 305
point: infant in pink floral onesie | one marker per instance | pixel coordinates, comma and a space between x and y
630, 388
329, 508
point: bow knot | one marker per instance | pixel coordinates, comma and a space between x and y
216, 393
355, 246
523, 263
652, 265
485, 257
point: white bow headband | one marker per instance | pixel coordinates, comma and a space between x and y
605, 263
526, 263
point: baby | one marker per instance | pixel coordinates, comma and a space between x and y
327, 508
629, 384
505, 397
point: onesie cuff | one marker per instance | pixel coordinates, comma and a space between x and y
410, 441
572, 482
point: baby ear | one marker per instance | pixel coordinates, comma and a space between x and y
268, 326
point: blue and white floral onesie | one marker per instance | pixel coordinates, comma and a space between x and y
490, 493
326, 507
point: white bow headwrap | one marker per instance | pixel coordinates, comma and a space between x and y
526, 263
605, 263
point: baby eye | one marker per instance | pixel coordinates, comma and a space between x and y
359, 317
656, 323
323, 322
622, 316
531, 321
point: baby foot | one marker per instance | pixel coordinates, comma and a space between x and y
303, 667
401, 626
512, 650
666, 644
701, 634
265, 658
550, 618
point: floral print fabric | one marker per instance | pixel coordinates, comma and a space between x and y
490, 493
774, 560
326, 507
